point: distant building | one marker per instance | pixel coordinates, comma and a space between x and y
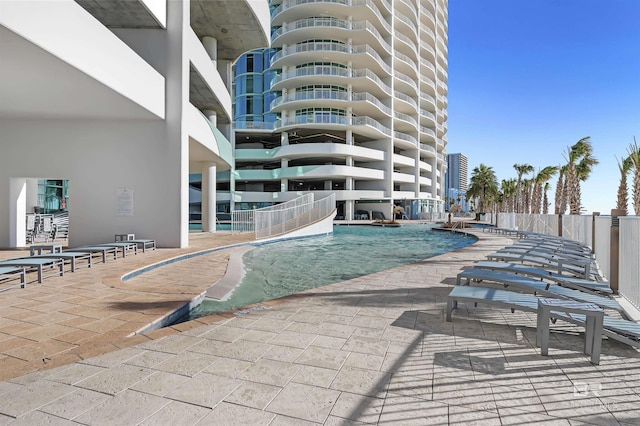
457, 180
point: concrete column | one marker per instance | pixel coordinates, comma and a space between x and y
284, 141
17, 212
212, 116
348, 209
211, 46
209, 197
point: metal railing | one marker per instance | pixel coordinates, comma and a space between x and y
282, 218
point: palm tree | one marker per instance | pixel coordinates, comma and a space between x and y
545, 199
625, 165
508, 188
580, 162
484, 186
542, 177
521, 169
634, 158
561, 194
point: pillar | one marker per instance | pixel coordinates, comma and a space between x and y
211, 46
209, 197
17, 213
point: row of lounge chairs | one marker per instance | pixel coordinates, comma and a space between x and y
537, 266
15, 272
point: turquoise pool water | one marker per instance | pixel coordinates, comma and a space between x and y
278, 269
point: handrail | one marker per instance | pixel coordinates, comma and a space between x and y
282, 218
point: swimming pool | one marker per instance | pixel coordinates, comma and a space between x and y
278, 269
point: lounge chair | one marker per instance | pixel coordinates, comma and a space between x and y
534, 286
100, 250
71, 256
39, 265
144, 244
535, 251
581, 284
124, 246
10, 274
560, 263
624, 331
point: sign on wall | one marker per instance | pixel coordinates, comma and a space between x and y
124, 202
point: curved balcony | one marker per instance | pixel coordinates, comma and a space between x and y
403, 139
309, 150
329, 74
334, 51
405, 64
407, 25
428, 148
328, 27
253, 125
428, 83
292, 10
442, 101
407, 8
405, 122
427, 100
427, 117
363, 125
429, 133
327, 98
406, 45
427, 18
409, 83
443, 88
405, 103
427, 68
427, 50
427, 36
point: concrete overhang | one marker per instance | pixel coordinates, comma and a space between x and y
128, 13
50, 71
238, 26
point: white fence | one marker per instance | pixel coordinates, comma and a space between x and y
282, 218
629, 254
594, 231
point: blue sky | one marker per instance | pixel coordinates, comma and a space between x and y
527, 79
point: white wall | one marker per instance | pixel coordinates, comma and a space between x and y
98, 157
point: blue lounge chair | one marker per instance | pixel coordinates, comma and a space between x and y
624, 331
39, 265
581, 284
534, 286
10, 274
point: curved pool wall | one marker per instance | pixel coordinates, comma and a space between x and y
287, 267
322, 227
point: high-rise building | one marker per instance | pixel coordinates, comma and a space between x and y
457, 179
352, 101
121, 101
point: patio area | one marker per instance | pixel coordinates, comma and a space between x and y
372, 350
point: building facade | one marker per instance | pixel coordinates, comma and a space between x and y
457, 180
123, 100
352, 101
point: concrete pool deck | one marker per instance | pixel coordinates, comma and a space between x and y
374, 349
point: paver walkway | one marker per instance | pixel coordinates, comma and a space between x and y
372, 350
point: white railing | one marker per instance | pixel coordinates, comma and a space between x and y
282, 218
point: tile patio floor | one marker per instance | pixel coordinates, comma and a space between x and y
371, 350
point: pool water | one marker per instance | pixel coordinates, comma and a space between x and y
281, 268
